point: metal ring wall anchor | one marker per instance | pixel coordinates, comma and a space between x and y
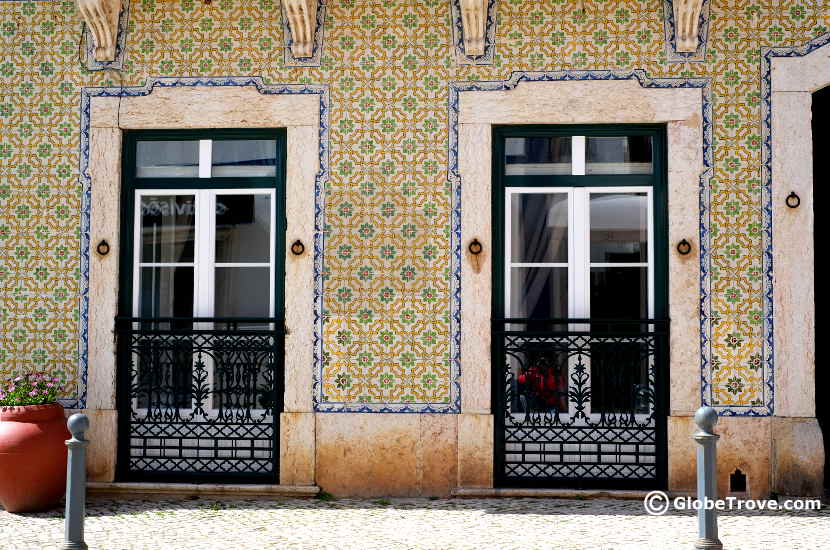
793, 200
297, 248
684, 247
103, 248
475, 247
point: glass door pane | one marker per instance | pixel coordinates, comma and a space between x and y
619, 227
619, 282
244, 254
538, 240
619, 252
165, 270
167, 159
243, 228
618, 155
242, 292
242, 287
538, 227
244, 158
537, 155
166, 227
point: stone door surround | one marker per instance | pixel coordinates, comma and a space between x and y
581, 102
205, 106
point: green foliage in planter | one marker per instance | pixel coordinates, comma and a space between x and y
30, 389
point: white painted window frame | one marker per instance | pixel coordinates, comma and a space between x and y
204, 263
579, 264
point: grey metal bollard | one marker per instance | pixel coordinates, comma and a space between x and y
76, 483
707, 481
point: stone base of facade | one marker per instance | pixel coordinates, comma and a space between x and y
777, 455
408, 455
103, 443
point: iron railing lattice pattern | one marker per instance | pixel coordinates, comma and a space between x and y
580, 402
199, 398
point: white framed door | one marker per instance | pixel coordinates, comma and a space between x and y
203, 254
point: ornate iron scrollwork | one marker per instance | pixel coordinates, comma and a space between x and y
201, 397
579, 405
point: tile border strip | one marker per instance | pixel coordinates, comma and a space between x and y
767, 180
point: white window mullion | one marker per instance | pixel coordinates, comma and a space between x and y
203, 285
577, 155
650, 252
205, 158
508, 253
272, 248
581, 261
137, 255
206, 237
572, 254
197, 252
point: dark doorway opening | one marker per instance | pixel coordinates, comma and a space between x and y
821, 145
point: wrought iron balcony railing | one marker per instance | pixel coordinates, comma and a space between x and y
580, 402
199, 397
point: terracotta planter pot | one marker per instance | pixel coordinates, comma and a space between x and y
32, 457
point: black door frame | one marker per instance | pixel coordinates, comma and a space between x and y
129, 331
659, 181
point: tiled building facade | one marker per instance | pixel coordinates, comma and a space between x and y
380, 397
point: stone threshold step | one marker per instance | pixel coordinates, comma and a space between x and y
200, 489
467, 492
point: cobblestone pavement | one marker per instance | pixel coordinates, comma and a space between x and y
406, 524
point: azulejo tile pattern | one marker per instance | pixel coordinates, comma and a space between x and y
388, 320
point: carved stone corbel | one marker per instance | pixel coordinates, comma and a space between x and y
101, 16
686, 23
474, 26
302, 20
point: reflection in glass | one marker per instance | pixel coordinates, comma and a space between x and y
540, 381
619, 227
167, 228
167, 159
539, 292
537, 155
619, 293
243, 228
166, 291
539, 227
163, 375
619, 378
242, 292
244, 158
618, 155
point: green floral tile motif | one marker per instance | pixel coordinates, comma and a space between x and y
386, 336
